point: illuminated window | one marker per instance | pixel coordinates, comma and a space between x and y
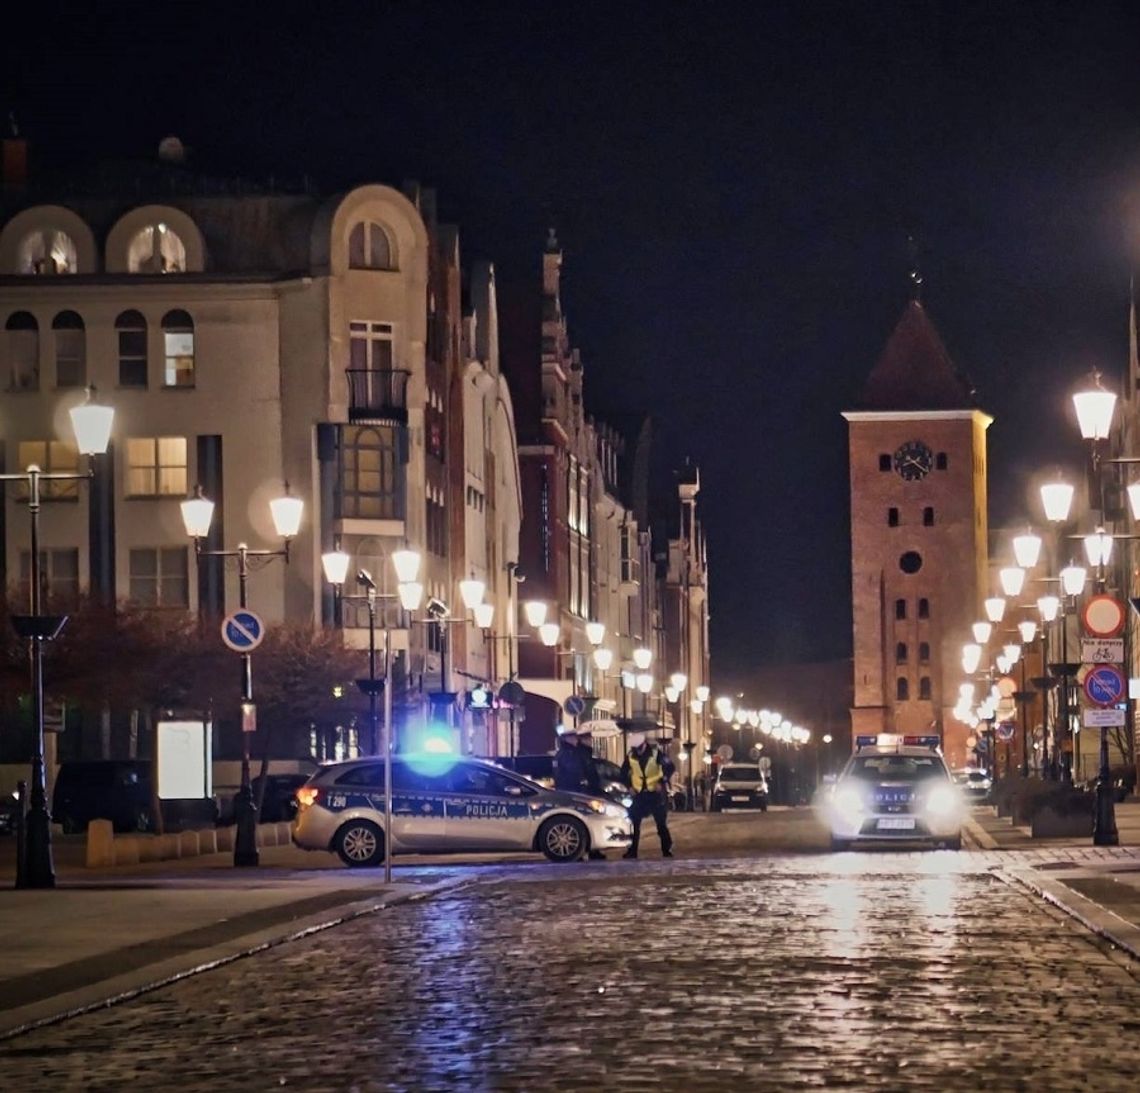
369, 247
70, 350
23, 337
178, 349
131, 330
156, 249
47, 252
159, 577
50, 455
156, 466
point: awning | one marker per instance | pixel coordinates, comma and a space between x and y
557, 690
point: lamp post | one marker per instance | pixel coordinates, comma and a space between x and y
406, 563
197, 515
91, 424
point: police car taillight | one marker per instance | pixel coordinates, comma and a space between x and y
308, 795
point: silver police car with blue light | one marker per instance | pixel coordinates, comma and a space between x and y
895, 788
441, 803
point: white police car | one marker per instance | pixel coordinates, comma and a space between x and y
895, 788
444, 804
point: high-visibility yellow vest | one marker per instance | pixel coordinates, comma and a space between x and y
650, 778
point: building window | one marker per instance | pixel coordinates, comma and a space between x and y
900, 609
156, 466
924, 608
368, 473
885, 461
59, 576
892, 517
50, 455
924, 652
131, 331
370, 346
910, 562
159, 577
940, 461
156, 249
436, 523
928, 517
178, 349
23, 336
70, 350
369, 247
902, 689
924, 688
47, 252
900, 653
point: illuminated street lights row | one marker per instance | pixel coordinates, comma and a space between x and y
769, 722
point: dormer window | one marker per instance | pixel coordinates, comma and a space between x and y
156, 249
47, 252
369, 247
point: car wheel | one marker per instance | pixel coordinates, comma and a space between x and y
563, 839
840, 844
954, 843
359, 844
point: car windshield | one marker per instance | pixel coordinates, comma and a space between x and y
607, 771
970, 776
901, 768
740, 774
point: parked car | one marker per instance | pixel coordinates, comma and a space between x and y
9, 808
442, 804
740, 785
118, 790
280, 802
975, 784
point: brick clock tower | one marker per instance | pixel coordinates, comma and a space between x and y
917, 446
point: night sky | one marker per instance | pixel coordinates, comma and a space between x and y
733, 186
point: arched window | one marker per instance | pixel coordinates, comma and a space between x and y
924, 688
23, 337
928, 517
369, 247
924, 608
924, 652
45, 252
892, 517
368, 473
156, 249
900, 609
131, 330
70, 350
902, 690
177, 349
900, 653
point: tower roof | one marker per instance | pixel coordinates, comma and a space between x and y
915, 372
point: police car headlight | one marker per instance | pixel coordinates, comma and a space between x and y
615, 811
627, 801
941, 801
847, 804
598, 806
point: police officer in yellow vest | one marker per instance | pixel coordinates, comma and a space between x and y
647, 771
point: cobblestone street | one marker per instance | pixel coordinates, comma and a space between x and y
862, 971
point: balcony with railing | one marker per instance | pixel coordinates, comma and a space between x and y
378, 395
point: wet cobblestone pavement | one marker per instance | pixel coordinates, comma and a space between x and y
855, 971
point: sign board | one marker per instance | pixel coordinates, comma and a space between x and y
185, 760
1099, 719
1104, 685
725, 753
1102, 650
248, 717
1103, 616
243, 630
575, 706
1004, 731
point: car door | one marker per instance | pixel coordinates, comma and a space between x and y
488, 809
418, 814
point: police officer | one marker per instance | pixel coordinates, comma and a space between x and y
569, 768
647, 771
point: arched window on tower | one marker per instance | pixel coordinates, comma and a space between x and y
46, 252
900, 653
157, 248
924, 652
369, 247
902, 689
900, 609
924, 608
924, 688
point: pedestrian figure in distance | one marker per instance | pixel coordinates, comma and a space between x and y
646, 771
569, 768
592, 783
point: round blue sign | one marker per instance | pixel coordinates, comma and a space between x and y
1104, 685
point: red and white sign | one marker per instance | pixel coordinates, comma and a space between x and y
1103, 617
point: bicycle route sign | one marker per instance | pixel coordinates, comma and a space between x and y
243, 630
1104, 685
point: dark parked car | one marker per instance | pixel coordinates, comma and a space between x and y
9, 807
280, 804
540, 769
118, 790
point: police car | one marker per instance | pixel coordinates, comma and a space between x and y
441, 803
895, 788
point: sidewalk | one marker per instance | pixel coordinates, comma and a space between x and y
1097, 885
103, 934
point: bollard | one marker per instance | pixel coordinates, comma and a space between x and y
21, 831
100, 844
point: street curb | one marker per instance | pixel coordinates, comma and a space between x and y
980, 835
1099, 920
32, 1017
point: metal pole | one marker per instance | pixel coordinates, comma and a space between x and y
39, 871
245, 837
387, 748
1044, 700
1063, 736
373, 728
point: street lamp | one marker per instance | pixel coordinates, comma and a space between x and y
995, 608
982, 631
335, 565
1027, 549
1012, 580
642, 658
91, 423
535, 611
595, 633
197, 515
603, 659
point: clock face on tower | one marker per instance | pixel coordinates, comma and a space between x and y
913, 460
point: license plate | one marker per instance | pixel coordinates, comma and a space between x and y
740, 798
897, 823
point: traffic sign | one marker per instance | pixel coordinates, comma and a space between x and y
243, 630
1102, 650
725, 753
1103, 616
1104, 685
575, 706
1098, 719
1004, 731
